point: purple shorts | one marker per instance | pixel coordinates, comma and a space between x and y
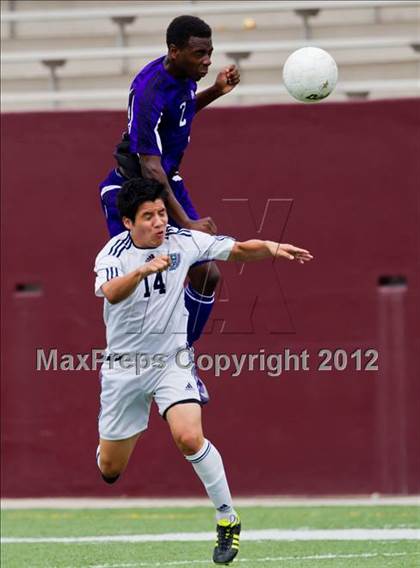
110, 187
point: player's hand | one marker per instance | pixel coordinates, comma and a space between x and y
206, 225
289, 252
158, 264
227, 79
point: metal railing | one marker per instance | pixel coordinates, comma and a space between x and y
231, 47
197, 8
236, 51
351, 89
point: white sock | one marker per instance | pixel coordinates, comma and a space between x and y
208, 465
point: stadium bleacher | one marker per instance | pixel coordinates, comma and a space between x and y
79, 54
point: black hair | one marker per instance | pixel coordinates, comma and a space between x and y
183, 27
136, 191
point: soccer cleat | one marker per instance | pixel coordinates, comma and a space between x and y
227, 544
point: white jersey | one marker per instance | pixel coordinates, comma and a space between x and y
153, 319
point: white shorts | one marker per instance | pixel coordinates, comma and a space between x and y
126, 397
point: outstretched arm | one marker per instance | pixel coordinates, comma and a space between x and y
122, 287
226, 80
258, 250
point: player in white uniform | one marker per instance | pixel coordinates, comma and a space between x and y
141, 275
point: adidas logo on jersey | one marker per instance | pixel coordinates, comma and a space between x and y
189, 387
150, 257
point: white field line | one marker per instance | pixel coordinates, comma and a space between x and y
256, 560
252, 535
126, 503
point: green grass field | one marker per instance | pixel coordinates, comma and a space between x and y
40, 524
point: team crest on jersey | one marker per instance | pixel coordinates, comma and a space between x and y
175, 260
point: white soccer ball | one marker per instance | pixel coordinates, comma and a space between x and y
310, 74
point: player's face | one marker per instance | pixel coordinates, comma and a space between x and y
194, 59
148, 229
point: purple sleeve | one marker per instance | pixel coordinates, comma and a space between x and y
145, 108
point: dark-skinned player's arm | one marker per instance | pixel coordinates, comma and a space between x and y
226, 80
255, 249
119, 288
151, 168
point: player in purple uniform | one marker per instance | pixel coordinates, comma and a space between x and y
161, 106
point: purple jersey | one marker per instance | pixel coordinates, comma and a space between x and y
160, 113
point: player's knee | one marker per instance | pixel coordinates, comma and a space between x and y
110, 469
209, 280
204, 278
189, 442
110, 480
213, 277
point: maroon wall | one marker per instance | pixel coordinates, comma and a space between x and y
348, 176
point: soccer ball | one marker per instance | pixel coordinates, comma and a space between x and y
310, 74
